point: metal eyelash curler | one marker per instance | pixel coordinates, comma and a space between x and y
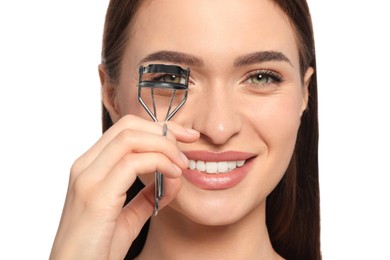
170, 84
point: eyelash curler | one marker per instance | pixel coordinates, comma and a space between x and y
170, 84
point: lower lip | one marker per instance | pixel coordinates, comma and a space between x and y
218, 181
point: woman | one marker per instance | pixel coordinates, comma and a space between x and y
252, 103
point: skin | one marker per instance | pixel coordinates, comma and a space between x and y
261, 119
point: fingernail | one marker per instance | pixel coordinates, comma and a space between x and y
177, 169
191, 131
184, 158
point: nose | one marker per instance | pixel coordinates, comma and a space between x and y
216, 116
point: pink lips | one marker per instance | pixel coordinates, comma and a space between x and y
218, 181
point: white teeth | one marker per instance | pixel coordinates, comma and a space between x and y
201, 166
211, 167
223, 166
192, 165
215, 167
232, 165
240, 163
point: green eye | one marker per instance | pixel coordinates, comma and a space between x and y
263, 78
260, 79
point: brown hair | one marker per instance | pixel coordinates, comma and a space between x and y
293, 214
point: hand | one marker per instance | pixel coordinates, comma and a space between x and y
94, 223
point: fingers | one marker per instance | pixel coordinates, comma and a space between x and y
130, 122
130, 142
121, 154
93, 215
123, 175
112, 169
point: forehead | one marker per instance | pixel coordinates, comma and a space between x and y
215, 29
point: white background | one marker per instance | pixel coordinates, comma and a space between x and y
50, 114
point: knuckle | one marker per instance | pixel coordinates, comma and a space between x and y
129, 161
129, 120
76, 168
128, 137
80, 181
78, 185
80, 188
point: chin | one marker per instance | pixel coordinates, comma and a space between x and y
213, 208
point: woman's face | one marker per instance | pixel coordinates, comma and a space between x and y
245, 98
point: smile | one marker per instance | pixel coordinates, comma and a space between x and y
215, 167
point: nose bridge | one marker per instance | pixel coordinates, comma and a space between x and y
217, 118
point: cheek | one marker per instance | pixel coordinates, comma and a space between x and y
281, 125
276, 115
276, 125
281, 139
276, 122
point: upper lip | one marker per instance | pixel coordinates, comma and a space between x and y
218, 156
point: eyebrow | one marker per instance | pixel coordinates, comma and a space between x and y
261, 56
191, 60
174, 57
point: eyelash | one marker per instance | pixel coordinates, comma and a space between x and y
273, 78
